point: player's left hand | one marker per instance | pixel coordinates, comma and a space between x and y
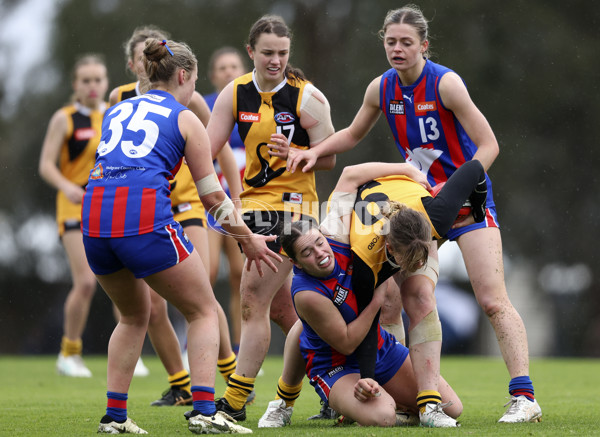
365, 389
256, 250
279, 146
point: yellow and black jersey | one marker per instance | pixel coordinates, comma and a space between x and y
77, 157
367, 222
78, 152
184, 195
128, 91
266, 183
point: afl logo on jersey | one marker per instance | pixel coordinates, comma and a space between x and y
84, 134
249, 117
396, 107
285, 118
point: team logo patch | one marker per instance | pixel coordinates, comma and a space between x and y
285, 117
97, 172
396, 107
84, 134
341, 294
249, 117
425, 106
335, 370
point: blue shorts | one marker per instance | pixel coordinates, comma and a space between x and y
491, 221
390, 357
213, 224
143, 254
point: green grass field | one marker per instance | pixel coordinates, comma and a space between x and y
35, 401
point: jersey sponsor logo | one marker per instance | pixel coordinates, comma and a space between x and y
341, 294
374, 242
285, 117
425, 106
249, 117
97, 172
84, 134
335, 370
396, 107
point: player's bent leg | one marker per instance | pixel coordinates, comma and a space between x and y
379, 411
391, 312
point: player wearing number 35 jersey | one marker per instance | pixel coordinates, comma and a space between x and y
132, 240
128, 192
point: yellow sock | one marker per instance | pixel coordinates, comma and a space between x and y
227, 366
427, 397
70, 347
181, 380
238, 389
289, 393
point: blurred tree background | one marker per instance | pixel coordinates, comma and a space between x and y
528, 66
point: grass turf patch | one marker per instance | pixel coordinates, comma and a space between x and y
35, 400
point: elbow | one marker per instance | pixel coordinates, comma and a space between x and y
43, 170
350, 173
328, 163
346, 347
212, 199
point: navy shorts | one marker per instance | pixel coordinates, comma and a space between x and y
143, 254
390, 357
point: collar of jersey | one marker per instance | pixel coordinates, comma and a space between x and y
274, 90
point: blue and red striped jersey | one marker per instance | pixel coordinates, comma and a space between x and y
338, 288
428, 135
141, 149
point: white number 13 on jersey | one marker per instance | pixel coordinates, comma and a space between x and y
138, 122
428, 129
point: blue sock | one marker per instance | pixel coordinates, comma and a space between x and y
116, 406
521, 386
204, 399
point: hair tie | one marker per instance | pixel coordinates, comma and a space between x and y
164, 43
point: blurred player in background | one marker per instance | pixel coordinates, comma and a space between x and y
224, 65
67, 156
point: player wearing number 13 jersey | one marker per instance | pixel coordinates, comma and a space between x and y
428, 135
438, 127
128, 192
